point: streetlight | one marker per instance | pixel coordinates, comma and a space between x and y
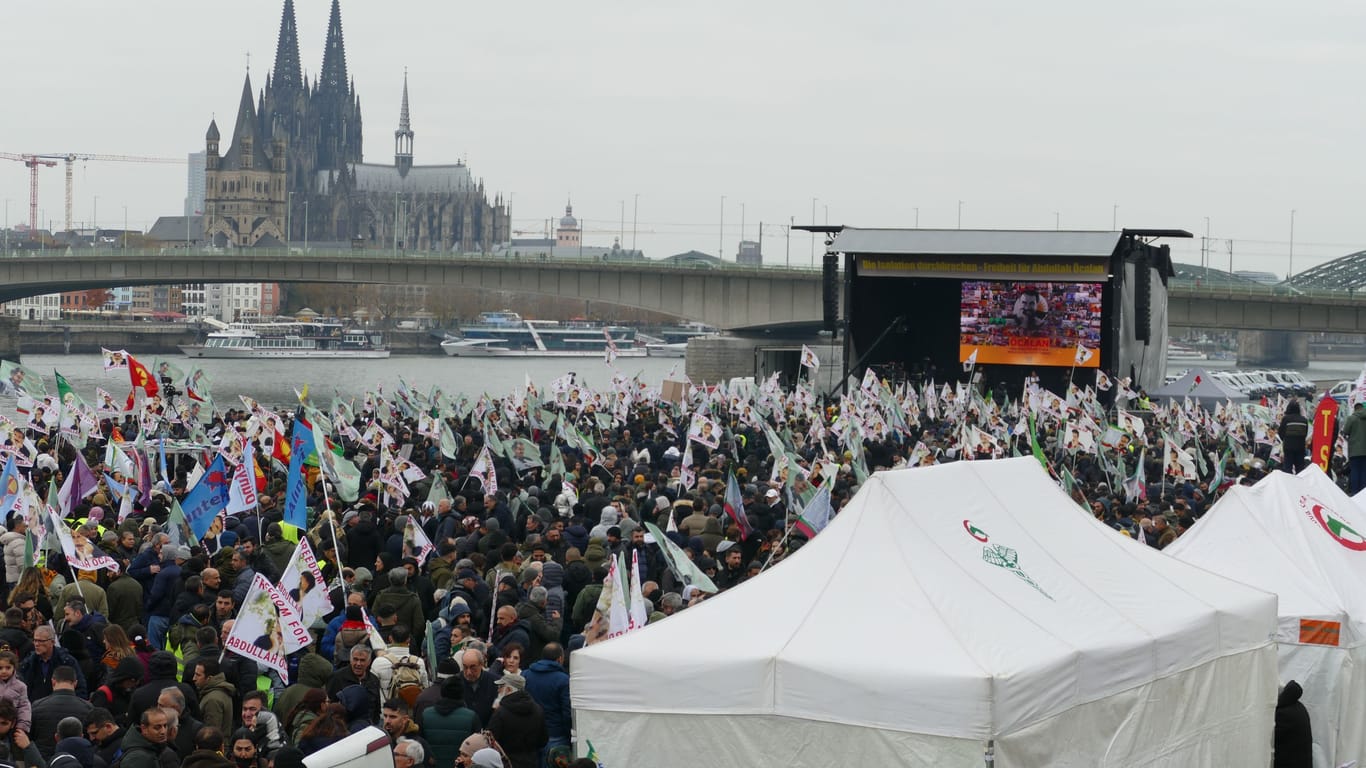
125, 227
1292, 246
721, 231
95, 222
813, 234
635, 219
917, 218
306, 224
289, 204
1057, 220
960, 214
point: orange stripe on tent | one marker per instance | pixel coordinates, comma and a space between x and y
1320, 632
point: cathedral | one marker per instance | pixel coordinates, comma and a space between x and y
294, 170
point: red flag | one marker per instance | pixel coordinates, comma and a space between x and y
735, 508
258, 474
281, 450
140, 378
1325, 430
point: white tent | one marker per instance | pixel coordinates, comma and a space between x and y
1301, 537
1198, 385
944, 609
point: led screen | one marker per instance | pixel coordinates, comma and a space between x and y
1030, 323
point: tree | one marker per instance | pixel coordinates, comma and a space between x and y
96, 298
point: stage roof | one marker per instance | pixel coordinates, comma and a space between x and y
976, 242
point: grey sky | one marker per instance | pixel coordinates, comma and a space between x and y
1174, 111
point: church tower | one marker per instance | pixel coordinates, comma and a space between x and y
568, 234
335, 103
403, 137
244, 190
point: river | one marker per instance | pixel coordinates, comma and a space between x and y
273, 381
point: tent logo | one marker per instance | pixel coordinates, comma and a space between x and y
1341, 532
1002, 556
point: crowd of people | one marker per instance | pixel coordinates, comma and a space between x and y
460, 650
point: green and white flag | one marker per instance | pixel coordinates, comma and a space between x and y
679, 562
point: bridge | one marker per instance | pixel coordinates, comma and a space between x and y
725, 296
1256, 307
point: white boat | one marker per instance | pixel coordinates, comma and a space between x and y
506, 334
1179, 353
313, 341
500, 348
677, 349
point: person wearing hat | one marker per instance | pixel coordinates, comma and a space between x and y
162, 597
518, 722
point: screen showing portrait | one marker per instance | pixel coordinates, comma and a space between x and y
1030, 323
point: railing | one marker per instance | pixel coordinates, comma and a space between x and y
1281, 292
528, 258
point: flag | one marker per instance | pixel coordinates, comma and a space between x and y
303, 582
593, 755
484, 472
679, 562
80, 482
16, 380
242, 492
971, 360
610, 352
176, 527
1083, 355
65, 394
268, 627
198, 386
208, 497
140, 378
296, 494
637, 616
1034, 446
809, 359
816, 514
10, 489
610, 618
415, 542
1325, 426
114, 359
1136, 485
1103, 382
80, 554
450, 447
438, 492
735, 507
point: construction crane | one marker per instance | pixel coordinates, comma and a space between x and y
34, 162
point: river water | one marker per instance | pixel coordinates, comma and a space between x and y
273, 381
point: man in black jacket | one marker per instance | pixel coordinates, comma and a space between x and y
50, 710
161, 668
1294, 432
519, 723
37, 668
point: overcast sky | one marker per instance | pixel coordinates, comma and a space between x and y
1031, 114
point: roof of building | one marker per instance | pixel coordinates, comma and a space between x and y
172, 229
420, 179
693, 257
975, 242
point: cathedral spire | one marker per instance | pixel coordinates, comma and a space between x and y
334, 55
403, 137
288, 75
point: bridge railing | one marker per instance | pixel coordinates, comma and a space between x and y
504, 257
1249, 290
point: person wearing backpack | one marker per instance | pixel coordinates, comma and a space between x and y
401, 674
